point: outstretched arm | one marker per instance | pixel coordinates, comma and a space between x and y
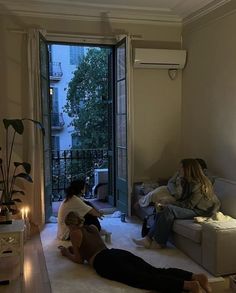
95, 213
72, 252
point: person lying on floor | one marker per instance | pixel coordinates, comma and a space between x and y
74, 202
197, 199
123, 266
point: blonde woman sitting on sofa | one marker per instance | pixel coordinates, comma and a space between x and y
174, 188
164, 194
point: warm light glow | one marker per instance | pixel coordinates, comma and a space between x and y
27, 269
23, 213
26, 212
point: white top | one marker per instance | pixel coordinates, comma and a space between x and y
74, 204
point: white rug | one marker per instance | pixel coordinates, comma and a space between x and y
68, 277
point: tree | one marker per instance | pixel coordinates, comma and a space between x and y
87, 100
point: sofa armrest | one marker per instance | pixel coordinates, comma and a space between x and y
218, 247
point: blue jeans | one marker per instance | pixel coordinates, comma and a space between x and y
162, 226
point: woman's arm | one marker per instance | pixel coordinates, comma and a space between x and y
171, 185
72, 252
95, 213
192, 200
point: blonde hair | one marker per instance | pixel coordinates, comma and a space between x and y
193, 173
73, 218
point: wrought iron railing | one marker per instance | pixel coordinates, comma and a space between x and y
55, 70
57, 120
68, 165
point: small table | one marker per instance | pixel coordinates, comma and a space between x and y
12, 241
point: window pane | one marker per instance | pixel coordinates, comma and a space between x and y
121, 97
121, 164
121, 62
121, 131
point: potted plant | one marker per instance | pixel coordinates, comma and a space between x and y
11, 171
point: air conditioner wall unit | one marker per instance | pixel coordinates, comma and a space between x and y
159, 58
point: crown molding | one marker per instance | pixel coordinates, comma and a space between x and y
77, 10
204, 11
111, 13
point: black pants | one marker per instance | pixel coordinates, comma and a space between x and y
125, 267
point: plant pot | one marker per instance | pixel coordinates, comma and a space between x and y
9, 213
5, 219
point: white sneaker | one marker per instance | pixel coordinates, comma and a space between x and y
145, 242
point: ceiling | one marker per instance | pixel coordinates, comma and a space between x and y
174, 11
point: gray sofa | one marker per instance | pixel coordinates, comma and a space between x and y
210, 244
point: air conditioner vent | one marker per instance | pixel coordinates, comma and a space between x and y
159, 58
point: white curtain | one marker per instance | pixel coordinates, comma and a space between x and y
34, 147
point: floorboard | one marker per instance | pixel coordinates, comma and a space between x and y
35, 279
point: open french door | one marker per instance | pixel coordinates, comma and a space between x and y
44, 77
121, 119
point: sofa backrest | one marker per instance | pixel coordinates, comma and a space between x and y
226, 192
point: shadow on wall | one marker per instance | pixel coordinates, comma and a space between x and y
167, 164
3, 80
8, 58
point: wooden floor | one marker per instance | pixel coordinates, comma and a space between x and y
35, 279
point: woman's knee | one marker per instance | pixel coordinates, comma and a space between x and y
169, 211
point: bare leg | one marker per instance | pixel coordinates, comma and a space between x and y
203, 281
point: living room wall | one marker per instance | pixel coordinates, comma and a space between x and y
209, 90
156, 101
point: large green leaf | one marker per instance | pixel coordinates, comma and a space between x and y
17, 199
18, 191
37, 123
17, 124
25, 165
25, 176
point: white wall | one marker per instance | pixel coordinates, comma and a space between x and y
157, 117
209, 91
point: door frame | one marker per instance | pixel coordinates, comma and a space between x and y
111, 42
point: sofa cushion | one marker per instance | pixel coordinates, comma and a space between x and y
226, 192
188, 229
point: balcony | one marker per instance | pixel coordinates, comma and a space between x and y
57, 121
55, 71
68, 165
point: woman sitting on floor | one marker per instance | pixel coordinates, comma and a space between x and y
74, 202
123, 266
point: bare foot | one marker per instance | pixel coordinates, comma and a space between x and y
193, 287
203, 281
145, 241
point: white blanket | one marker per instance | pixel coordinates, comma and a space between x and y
218, 217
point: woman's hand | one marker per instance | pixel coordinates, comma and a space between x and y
160, 206
101, 214
63, 250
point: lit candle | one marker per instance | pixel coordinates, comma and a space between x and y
23, 213
26, 212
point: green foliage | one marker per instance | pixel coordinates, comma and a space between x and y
11, 171
87, 100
